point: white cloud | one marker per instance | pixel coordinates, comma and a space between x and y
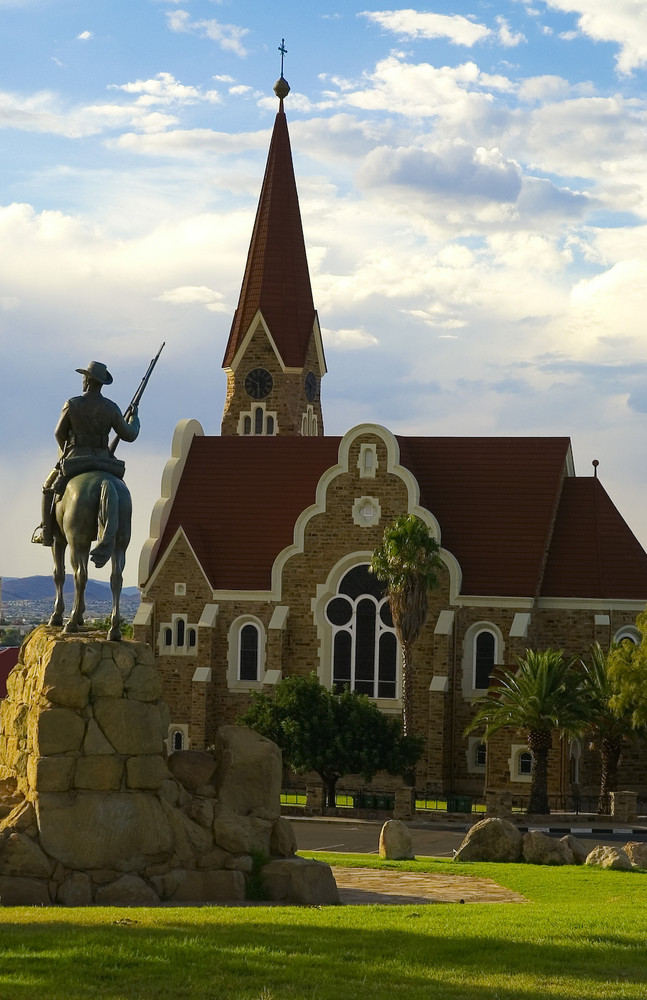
228, 36
44, 112
417, 24
452, 168
506, 36
85, 36
623, 22
165, 89
196, 295
349, 340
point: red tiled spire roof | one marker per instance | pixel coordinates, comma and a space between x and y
276, 279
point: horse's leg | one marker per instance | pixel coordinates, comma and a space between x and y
58, 552
116, 581
79, 560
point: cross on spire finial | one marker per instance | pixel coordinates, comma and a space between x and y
283, 51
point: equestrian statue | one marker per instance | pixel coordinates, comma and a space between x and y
84, 497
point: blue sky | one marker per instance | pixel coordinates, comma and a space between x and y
474, 198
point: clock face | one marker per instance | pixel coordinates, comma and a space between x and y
258, 383
311, 387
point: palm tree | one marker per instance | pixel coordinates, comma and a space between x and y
407, 561
543, 693
608, 729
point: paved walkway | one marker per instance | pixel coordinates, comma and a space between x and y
364, 886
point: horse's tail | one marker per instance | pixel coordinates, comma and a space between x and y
108, 524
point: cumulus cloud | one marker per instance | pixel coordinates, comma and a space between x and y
165, 89
228, 36
455, 169
417, 24
85, 36
195, 295
622, 22
506, 35
349, 340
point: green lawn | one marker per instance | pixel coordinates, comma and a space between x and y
581, 935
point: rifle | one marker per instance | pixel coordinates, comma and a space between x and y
136, 398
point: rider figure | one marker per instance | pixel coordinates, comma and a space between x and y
82, 436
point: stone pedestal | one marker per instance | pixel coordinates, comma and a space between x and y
405, 803
498, 804
91, 811
624, 807
314, 800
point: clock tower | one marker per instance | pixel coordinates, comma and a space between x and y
274, 358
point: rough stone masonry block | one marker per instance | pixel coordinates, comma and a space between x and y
57, 730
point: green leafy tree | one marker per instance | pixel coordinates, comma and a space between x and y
542, 694
331, 733
10, 636
627, 666
608, 729
407, 561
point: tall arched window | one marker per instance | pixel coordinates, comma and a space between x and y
364, 646
484, 658
248, 649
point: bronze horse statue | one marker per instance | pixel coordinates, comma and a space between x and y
95, 506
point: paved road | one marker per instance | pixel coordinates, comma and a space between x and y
347, 836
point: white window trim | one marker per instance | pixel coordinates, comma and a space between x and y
251, 414
233, 679
628, 632
513, 764
175, 727
382, 628
470, 691
367, 461
472, 744
174, 649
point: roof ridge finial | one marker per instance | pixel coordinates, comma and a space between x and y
282, 87
595, 464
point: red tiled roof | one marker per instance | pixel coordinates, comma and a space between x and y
498, 501
593, 552
276, 278
239, 498
495, 500
8, 660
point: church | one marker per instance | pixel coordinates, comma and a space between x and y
256, 567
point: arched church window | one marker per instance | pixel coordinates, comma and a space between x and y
484, 658
248, 648
524, 762
258, 420
191, 637
179, 632
247, 425
168, 637
269, 425
364, 646
178, 740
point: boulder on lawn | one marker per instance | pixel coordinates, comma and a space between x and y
540, 849
492, 839
637, 854
609, 857
578, 849
298, 880
395, 841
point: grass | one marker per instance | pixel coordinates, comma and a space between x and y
582, 935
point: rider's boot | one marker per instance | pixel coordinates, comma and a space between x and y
44, 533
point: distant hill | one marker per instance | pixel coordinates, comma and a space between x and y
41, 588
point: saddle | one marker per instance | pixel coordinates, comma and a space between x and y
76, 464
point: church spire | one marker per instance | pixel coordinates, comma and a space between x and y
276, 308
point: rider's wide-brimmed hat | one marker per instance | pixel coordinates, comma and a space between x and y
97, 370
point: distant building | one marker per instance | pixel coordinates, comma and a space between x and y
257, 563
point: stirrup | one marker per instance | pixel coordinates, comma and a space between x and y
39, 536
